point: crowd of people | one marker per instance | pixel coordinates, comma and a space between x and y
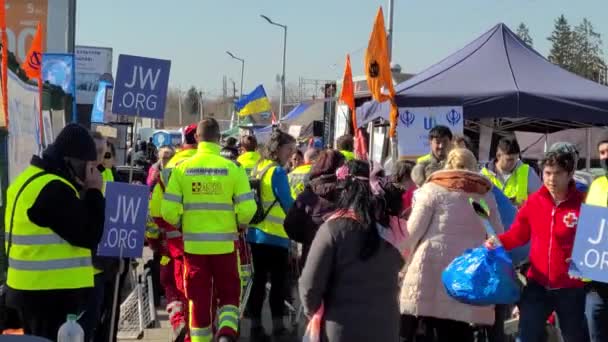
372, 243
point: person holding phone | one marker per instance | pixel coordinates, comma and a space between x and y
54, 218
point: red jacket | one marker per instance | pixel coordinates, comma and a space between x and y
550, 228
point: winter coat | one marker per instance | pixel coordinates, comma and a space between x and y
359, 296
309, 211
551, 229
441, 227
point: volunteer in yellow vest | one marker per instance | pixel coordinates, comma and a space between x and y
268, 240
440, 143
298, 177
50, 230
207, 194
346, 145
507, 172
597, 293
249, 154
166, 240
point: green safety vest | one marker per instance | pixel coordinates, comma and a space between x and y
208, 190
598, 193
248, 161
273, 223
38, 258
516, 186
424, 158
348, 155
297, 179
107, 176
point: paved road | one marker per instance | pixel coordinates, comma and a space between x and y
163, 332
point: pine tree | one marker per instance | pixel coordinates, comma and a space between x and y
524, 34
587, 51
562, 39
192, 101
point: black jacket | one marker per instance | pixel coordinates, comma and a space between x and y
309, 211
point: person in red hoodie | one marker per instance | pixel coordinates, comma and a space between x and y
548, 220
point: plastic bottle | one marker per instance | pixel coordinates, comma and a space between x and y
70, 331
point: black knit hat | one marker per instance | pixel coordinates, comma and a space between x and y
74, 141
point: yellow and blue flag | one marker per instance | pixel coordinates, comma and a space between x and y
253, 103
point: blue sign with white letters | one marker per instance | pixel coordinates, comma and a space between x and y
590, 254
141, 86
125, 220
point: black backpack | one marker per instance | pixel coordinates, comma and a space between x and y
255, 181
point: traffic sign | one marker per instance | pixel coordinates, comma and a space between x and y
125, 220
590, 253
141, 86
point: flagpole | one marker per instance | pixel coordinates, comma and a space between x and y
393, 139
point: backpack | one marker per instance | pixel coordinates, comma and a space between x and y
255, 182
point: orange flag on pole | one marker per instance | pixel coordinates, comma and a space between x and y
33, 61
32, 65
378, 69
347, 96
4, 64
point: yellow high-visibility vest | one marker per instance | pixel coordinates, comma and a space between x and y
206, 191
248, 161
39, 259
273, 223
598, 193
424, 158
516, 186
348, 155
297, 178
598, 196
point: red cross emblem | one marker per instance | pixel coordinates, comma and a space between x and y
571, 220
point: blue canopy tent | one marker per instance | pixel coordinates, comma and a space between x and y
499, 76
303, 114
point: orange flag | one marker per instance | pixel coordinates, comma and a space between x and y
4, 64
347, 95
33, 61
378, 69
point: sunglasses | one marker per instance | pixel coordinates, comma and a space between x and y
108, 155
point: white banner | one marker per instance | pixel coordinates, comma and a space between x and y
91, 63
23, 130
415, 123
47, 126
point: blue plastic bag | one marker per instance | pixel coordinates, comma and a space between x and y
482, 277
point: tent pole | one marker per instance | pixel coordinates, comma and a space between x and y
588, 156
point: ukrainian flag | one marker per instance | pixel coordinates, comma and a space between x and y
253, 103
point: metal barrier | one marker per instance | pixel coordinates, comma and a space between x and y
137, 312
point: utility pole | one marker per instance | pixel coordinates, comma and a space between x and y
390, 30
200, 107
179, 106
233, 103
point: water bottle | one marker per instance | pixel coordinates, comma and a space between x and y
70, 331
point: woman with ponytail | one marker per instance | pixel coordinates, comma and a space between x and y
351, 269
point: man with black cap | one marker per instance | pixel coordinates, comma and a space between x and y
51, 230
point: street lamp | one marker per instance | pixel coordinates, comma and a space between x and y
282, 99
242, 68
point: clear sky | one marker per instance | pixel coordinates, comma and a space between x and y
194, 34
